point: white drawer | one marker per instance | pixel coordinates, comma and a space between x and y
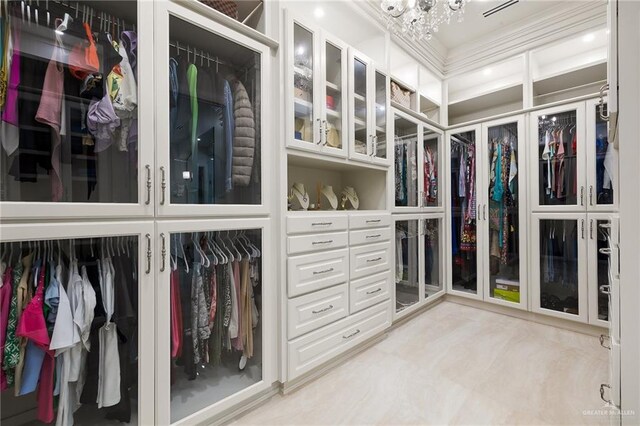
369, 259
306, 224
316, 271
317, 242
314, 310
368, 291
372, 220
369, 236
312, 350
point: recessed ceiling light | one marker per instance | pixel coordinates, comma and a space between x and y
318, 12
589, 38
487, 71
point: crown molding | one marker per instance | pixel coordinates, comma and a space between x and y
540, 29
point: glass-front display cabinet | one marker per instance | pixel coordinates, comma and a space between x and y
407, 264
78, 324
433, 250
603, 161
602, 267
73, 121
559, 268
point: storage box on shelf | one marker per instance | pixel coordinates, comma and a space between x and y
337, 297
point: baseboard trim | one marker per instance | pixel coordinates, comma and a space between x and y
409, 317
245, 407
299, 382
578, 327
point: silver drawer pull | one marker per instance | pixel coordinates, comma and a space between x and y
375, 291
605, 289
605, 225
321, 242
148, 199
328, 308
322, 223
374, 260
326, 271
604, 250
374, 236
604, 338
602, 390
373, 221
352, 334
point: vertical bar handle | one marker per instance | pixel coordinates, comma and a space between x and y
591, 195
582, 228
326, 132
320, 129
591, 229
582, 195
163, 185
148, 200
163, 252
148, 237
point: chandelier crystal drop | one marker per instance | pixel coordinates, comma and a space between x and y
420, 19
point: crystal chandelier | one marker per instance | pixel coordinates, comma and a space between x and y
420, 19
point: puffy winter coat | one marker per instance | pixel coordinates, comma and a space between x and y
244, 138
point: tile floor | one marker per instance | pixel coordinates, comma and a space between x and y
455, 365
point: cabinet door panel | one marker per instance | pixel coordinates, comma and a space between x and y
303, 85
433, 258
430, 164
360, 111
602, 166
334, 124
381, 112
406, 173
407, 264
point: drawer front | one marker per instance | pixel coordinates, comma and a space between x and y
314, 310
369, 236
373, 220
316, 271
305, 225
369, 260
317, 242
310, 351
368, 291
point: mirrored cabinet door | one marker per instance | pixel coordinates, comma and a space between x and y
433, 257
407, 268
211, 129
303, 85
431, 187
406, 154
334, 124
72, 118
504, 176
380, 120
78, 334
602, 166
465, 276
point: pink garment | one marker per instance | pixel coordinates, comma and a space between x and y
176, 316
237, 342
32, 324
45, 389
10, 113
5, 301
50, 112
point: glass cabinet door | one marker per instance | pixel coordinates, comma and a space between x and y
303, 81
334, 124
76, 339
212, 344
603, 159
381, 98
70, 122
600, 243
433, 274
430, 165
406, 181
502, 172
214, 116
406, 272
559, 267
464, 213
559, 170
361, 136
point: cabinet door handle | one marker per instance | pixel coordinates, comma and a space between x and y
374, 146
605, 250
163, 252
582, 228
326, 132
163, 186
591, 229
605, 289
326, 271
321, 242
602, 391
320, 131
349, 336
373, 236
374, 260
148, 200
148, 237
591, 195
604, 338
321, 223
603, 89
328, 308
378, 290
582, 195
373, 221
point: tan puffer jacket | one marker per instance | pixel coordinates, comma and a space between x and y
244, 138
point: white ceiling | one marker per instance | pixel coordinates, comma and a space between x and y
475, 26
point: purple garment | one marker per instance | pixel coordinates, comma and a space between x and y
102, 122
129, 40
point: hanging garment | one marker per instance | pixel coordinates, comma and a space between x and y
109, 367
199, 314
229, 126
237, 343
399, 256
610, 167
5, 58
23, 296
560, 174
244, 139
400, 174
11, 353
125, 101
9, 125
129, 40
246, 296
176, 316
233, 322
546, 155
6, 292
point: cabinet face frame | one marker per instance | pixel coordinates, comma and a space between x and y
389, 137
483, 199
163, 11
592, 263
591, 188
163, 317
534, 272
23, 210
354, 56
391, 188
479, 295
144, 230
581, 172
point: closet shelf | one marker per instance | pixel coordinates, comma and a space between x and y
333, 86
333, 113
359, 97
302, 107
317, 160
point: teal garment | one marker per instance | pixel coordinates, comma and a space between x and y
498, 189
192, 81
